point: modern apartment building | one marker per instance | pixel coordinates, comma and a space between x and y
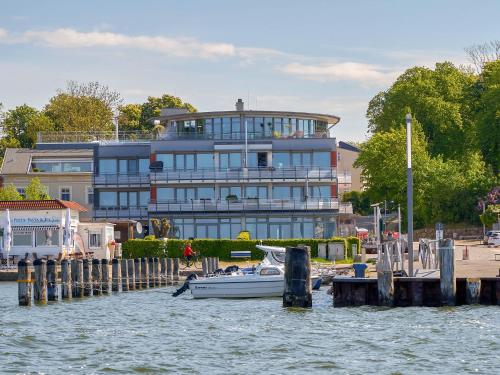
67, 173
213, 174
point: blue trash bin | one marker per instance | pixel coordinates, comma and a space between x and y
359, 269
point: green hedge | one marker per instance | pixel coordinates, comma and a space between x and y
218, 248
353, 241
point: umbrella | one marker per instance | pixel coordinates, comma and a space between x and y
67, 231
7, 235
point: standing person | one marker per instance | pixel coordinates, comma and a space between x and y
188, 253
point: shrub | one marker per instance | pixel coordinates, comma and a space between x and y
244, 235
353, 241
215, 247
150, 237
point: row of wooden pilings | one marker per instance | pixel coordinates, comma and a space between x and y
84, 277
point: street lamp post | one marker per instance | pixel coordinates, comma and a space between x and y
409, 195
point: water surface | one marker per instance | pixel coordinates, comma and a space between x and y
147, 332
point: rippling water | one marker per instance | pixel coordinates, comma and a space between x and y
151, 332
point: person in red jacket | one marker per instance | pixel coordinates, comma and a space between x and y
188, 252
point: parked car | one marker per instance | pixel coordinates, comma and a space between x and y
488, 235
494, 239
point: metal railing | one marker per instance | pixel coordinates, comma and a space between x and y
239, 136
121, 212
121, 179
246, 204
246, 174
94, 136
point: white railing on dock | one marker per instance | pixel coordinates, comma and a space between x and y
428, 253
392, 252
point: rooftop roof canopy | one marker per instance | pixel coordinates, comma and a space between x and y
50, 204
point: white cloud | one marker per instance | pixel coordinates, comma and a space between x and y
345, 71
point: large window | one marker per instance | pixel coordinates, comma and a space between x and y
256, 192
46, 237
65, 193
204, 161
144, 165
206, 193
320, 191
95, 240
58, 166
321, 159
230, 160
229, 191
108, 166
167, 159
165, 194
108, 199
281, 160
281, 192
144, 198
22, 238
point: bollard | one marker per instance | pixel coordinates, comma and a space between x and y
163, 271
116, 275
447, 272
298, 288
169, 271
145, 273
40, 286
96, 277
204, 266
473, 291
105, 276
52, 290
157, 272
125, 274
131, 274
66, 287
216, 263
138, 273
363, 254
175, 270
151, 266
385, 279
24, 282
87, 277
77, 277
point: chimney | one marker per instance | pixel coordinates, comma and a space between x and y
240, 106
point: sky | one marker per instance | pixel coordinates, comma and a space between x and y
311, 56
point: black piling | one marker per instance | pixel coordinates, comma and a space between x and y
152, 276
24, 282
105, 277
144, 273
87, 277
175, 271
298, 288
40, 285
116, 275
96, 277
66, 282
125, 275
131, 274
52, 288
138, 273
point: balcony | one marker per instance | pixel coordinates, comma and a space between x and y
245, 175
102, 137
241, 136
245, 205
122, 180
117, 213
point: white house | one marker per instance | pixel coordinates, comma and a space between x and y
38, 227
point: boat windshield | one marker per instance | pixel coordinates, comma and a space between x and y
278, 256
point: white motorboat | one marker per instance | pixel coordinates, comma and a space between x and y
267, 279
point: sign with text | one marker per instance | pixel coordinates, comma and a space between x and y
36, 221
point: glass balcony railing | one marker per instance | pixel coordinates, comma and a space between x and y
113, 179
246, 174
240, 136
242, 205
121, 212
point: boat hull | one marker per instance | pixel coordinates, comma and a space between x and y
238, 287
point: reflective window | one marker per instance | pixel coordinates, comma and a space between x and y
143, 198
256, 192
321, 159
204, 161
227, 191
235, 127
165, 194
47, 237
108, 166
24, 238
107, 199
230, 160
132, 199
123, 198
320, 191
226, 128
57, 166
167, 159
281, 192
206, 193
143, 165
281, 160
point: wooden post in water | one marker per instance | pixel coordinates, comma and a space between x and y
204, 266
152, 276
472, 291
169, 271
385, 280
216, 263
138, 273
175, 271
131, 274
96, 277
157, 272
298, 287
52, 290
105, 276
40, 286
24, 282
87, 277
66, 281
163, 271
145, 273
77, 276
447, 272
125, 274
116, 275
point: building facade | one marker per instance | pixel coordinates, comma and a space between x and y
349, 176
213, 174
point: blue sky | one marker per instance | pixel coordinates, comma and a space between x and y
313, 56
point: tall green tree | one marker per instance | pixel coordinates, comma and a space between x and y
436, 99
488, 114
10, 193
129, 117
36, 190
151, 108
23, 124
